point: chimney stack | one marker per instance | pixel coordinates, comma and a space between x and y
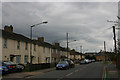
57, 44
41, 39
8, 28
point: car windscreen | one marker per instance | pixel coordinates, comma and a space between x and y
8, 63
62, 62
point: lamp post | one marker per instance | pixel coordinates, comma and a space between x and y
118, 51
31, 38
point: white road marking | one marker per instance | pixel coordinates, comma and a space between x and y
81, 69
69, 74
60, 78
76, 70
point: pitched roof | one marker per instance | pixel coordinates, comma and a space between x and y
15, 36
19, 37
100, 54
76, 53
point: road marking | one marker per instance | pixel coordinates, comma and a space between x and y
60, 78
81, 69
104, 73
69, 74
76, 70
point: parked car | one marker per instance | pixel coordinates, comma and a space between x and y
10, 65
93, 60
3, 69
19, 67
86, 61
82, 62
89, 61
62, 65
71, 63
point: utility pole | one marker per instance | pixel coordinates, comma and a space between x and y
118, 55
104, 46
81, 48
105, 50
115, 47
81, 51
67, 44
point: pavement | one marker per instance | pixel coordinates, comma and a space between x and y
111, 72
27, 74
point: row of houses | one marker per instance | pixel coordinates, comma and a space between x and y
16, 48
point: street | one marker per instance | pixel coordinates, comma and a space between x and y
91, 70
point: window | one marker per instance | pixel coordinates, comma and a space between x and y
18, 44
18, 59
49, 50
56, 51
34, 47
52, 51
5, 43
48, 59
26, 46
25, 58
52, 60
43, 49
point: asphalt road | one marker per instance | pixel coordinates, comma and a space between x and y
91, 70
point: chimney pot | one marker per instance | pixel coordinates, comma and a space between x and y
8, 28
41, 39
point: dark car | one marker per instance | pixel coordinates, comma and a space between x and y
10, 65
71, 63
62, 65
3, 70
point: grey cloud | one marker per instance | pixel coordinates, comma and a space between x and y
83, 20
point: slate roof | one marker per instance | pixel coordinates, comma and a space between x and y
76, 53
19, 37
15, 36
100, 54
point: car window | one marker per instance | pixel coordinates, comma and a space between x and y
12, 62
8, 63
72, 62
62, 62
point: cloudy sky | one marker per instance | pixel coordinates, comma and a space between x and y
85, 22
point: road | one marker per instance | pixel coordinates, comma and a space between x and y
91, 70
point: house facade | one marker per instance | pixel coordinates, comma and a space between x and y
16, 48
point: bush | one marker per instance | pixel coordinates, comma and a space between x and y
113, 58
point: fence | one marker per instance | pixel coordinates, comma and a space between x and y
33, 67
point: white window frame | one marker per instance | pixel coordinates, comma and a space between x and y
18, 44
5, 43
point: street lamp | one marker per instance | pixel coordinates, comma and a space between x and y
45, 22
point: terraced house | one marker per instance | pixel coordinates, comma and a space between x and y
16, 48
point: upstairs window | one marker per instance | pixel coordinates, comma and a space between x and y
43, 49
26, 46
52, 51
49, 50
18, 44
5, 43
56, 51
34, 47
